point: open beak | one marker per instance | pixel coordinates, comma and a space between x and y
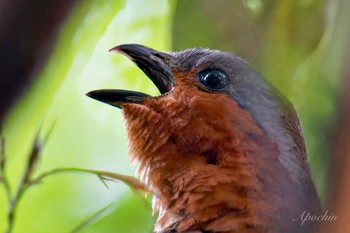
155, 64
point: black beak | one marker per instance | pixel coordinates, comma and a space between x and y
155, 64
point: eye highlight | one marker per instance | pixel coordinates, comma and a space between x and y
213, 79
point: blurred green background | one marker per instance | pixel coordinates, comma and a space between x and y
300, 46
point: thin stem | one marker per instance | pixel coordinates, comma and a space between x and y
91, 218
129, 180
25, 180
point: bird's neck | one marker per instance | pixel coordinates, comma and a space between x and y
213, 169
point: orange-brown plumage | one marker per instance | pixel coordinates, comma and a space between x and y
211, 166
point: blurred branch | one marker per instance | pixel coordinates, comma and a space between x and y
27, 32
339, 193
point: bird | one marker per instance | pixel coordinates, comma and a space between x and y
220, 148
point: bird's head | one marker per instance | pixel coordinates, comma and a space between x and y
216, 79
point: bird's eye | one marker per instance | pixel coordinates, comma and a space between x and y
213, 79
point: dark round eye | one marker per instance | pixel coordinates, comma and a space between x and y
213, 79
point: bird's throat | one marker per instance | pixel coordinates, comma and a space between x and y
200, 166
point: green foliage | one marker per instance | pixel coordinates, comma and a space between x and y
86, 134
